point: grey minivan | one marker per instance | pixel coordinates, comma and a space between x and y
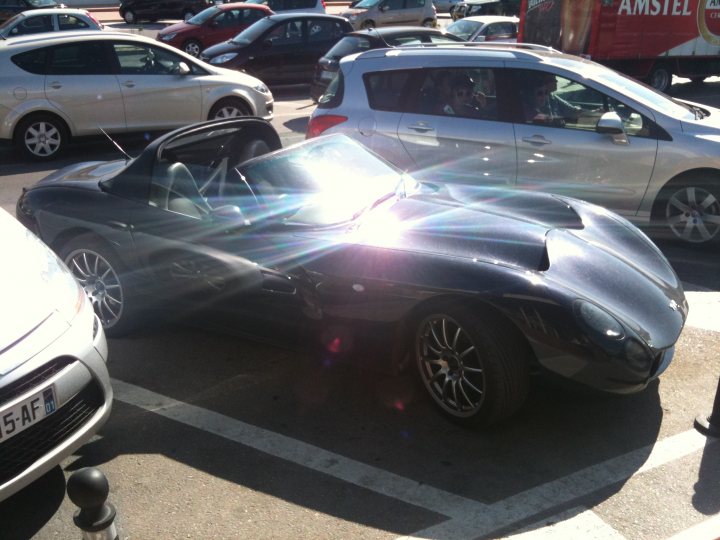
372, 13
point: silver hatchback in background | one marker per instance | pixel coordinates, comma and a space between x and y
54, 87
55, 390
534, 119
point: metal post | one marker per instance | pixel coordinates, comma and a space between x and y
88, 489
710, 425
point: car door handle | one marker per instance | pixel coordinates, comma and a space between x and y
421, 127
129, 84
536, 139
55, 85
120, 225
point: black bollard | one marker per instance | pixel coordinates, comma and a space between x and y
88, 489
710, 425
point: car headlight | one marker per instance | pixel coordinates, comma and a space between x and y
261, 88
599, 321
168, 37
222, 58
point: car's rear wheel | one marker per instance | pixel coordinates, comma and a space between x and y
129, 17
428, 23
229, 108
690, 210
368, 25
474, 365
100, 272
41, 136
192, 47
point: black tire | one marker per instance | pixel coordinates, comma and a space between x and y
193, 47
253, 149
129, 17
660, 77
474, 366
367, 25
229, 108
429, 23
105, 279
688, 210
42, 137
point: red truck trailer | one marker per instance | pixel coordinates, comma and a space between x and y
647, 39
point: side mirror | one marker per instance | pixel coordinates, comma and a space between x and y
610, 123
183, 69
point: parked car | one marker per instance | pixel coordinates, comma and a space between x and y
10, 8
37, 21
485, 28
363, 40
326, 240
444, 6
372, 13
55, 391
471, 8
607, 138
133, 11
213, 25
293, 6
61, 86
280, 49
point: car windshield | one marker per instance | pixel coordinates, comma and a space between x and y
348, 45
463, 28
204, 15
324, 181
632, 88
366, 4
254, 31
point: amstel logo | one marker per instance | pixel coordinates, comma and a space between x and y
709, 20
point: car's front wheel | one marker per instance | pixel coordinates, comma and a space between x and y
428, 23
129, 17
41, 136
690, 209
104, 278
192, 47
474, 365
229, 108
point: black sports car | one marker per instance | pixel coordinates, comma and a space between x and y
473, 286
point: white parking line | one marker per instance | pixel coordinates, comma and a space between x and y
468, 518
576, 523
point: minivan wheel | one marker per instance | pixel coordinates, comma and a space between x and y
41, 137
229, 108
690, 210
129, 16
192, 47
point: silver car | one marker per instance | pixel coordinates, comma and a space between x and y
36, 21
59, 86
55, 390
537, 120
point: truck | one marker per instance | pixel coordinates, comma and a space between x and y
651, 40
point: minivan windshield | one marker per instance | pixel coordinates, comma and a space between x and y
366, 4
254, 31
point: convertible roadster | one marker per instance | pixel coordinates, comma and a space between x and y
325, 240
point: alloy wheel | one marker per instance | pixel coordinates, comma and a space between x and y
693, 214
42, 139
101, 283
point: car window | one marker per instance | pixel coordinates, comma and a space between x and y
461, 92
557, 101
32, 61
289, 33
392, 5
228, 18
441, 39
463, 28
324, 30
71, 22
415, 3
348, 45
386, 90
33, 25
86, 58
249, 16
143, 59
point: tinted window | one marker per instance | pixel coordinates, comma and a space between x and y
78, 59
386, 91
70, 22
289, 33
34, 25
324, 30
32, 61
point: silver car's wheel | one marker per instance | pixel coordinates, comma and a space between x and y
192, 47
475, 369
129, 17
103, 277
41, 137
229, 108
692, 212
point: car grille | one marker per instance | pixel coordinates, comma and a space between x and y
21, 451
34, 378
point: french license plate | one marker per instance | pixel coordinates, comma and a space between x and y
326, 74
20, 416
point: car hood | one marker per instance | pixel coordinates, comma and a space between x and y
224, 47
710, 125
84, 174
176, 28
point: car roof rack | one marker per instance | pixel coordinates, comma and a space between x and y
488, 45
